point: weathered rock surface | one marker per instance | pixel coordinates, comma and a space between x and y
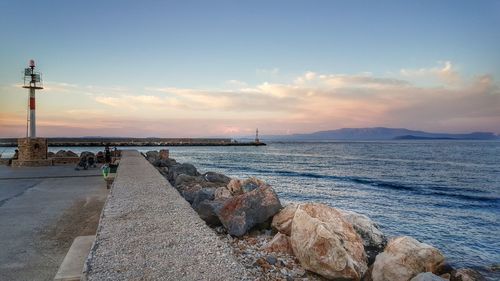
234, 187
279, 244
404, 258
242, 212
427, 276
164, 163
178, 169
374, 241
202, 195
466, 274
216, 178
190, 192
64, 153
222, 193
152, 156
283, 220
325, 243
250, 184
208, 211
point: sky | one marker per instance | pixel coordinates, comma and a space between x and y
224, 68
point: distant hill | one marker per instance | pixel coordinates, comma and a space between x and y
380, 133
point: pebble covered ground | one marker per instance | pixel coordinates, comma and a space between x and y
262, 265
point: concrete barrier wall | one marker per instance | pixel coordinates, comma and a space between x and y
148, 231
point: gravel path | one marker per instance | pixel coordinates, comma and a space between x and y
149, 232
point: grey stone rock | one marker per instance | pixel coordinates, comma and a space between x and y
271, 260
208, 210
240, 213
152, 156
374, 241
202, 195
466, 274
164, 163
427, 276
216, 178
178, 169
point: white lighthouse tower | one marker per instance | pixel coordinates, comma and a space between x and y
32, 150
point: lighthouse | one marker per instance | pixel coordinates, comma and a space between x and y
32, 150
32, 81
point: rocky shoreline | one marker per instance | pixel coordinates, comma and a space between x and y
307, 241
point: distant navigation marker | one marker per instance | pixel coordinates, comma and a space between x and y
32, 150
257, 136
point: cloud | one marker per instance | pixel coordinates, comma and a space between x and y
312, 101
446, 72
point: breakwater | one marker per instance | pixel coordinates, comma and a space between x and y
331, 242
147, 231
128, 142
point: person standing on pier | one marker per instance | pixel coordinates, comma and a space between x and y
107, 155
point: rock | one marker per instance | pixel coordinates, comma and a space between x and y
325, 243
178, 169
183, 180
466, 274
216, 178
202, 195
427, 276
165, 163
279, 244
271, 260
222, 193
242, 212
374, 241
251, 184
51, 154
64, 153
152, 156
404, 258
87, 154
283, 220
234, 186
163, 171
208, 211
190, 192
164, 154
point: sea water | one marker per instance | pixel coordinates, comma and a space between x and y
443, 193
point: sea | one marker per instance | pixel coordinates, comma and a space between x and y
445, 193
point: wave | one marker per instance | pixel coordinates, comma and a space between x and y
429, 190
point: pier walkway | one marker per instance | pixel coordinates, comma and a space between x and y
148, 231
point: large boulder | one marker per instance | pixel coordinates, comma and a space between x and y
185, 168
190, 192
427, 276
208, 211
64, 153
283, 220
165, 163
325, 243
466, 274
242, 212
184, 180
216, 178
374, 241
152, 156
404, 258
202, 195
279, 244
222, 193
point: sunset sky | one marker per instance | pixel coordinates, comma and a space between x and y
224, 68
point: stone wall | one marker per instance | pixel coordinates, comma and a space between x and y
32, 149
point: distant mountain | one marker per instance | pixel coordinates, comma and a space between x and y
379, 133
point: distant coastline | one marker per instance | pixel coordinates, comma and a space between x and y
98, 141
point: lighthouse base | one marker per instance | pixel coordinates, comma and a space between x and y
32, 153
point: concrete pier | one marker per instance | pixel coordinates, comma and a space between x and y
42, 209
147, 231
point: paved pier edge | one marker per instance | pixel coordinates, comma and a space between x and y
147, 231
